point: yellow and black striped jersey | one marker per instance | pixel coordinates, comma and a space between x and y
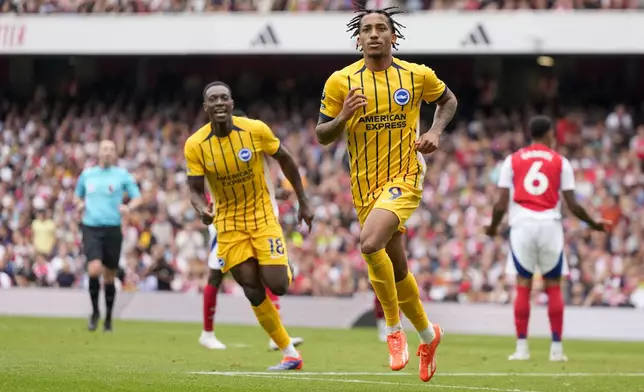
236, 169
381, 136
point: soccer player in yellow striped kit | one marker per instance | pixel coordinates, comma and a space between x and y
376, 103
229, 154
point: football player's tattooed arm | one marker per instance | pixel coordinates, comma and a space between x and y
436, 91
329, 130
445, 110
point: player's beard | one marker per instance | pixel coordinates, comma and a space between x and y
377, 55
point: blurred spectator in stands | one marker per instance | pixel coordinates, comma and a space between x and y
43, 233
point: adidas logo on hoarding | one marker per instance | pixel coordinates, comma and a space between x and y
477, 37
265, 37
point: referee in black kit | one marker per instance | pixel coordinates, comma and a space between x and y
99, 194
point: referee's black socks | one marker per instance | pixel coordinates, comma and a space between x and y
94, 289
110, 294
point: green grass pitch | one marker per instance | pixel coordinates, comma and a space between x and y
60, 355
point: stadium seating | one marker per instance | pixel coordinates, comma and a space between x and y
44, 150
197, 6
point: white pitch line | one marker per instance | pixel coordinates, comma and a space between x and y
389, 374
343, 380
540, 374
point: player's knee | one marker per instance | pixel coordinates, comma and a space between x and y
94, 268
279, 288
276, 278
524, 282
370, 243
109, 275
255, 294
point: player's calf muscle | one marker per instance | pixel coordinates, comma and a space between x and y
396, 253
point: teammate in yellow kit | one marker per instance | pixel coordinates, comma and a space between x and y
377, 101
229, 154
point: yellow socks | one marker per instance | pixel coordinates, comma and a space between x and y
412, 307
381, 274
269, 319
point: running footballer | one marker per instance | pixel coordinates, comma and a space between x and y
229, 154
376, 103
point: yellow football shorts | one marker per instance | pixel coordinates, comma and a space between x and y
396, 196
266, 245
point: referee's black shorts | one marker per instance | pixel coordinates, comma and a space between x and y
103, 243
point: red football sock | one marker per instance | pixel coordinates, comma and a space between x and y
209, 305
377, 308
274, 298
555, 312
522, 311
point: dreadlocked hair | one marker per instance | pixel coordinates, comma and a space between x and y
389, 12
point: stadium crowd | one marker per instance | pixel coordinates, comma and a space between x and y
45, 146
183, 6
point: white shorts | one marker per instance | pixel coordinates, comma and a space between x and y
213, 261
537, 245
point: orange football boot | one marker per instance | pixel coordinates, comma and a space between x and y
427, 354
398, 350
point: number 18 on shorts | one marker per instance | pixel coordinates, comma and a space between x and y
266, 245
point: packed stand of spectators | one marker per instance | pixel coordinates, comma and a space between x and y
189, 6
44, 147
